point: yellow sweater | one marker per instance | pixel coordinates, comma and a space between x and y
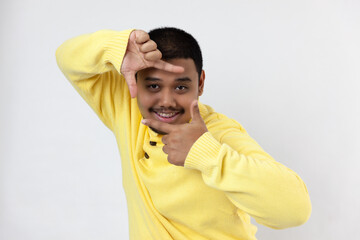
227, 176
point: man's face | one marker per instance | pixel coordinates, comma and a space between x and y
166, 96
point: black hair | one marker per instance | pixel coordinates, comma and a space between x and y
176, 43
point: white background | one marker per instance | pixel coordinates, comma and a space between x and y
288, 71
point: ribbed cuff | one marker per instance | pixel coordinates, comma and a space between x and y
115, 48
203, 154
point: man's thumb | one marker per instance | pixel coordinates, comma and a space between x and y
131, 82
195, 112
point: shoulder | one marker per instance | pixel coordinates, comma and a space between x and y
228, 131
218, 123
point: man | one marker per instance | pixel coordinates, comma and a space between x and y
188, 172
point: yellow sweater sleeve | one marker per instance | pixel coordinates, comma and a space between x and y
231, 161
91, 63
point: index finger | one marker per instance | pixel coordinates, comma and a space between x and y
141, 36
162, 65
163, 128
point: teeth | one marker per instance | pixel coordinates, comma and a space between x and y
166, 115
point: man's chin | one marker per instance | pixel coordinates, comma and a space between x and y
157, 131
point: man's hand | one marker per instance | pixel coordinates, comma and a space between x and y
142, 53
180, 138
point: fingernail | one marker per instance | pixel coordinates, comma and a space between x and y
144, 121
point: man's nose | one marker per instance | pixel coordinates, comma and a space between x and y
167, 98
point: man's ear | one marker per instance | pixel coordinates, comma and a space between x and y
201, 82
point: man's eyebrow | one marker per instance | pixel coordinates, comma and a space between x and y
152, 79
184, 79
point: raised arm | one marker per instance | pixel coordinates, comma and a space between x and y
99, 64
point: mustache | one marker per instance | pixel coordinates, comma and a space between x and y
167, 109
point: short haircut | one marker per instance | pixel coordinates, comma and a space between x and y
176, 43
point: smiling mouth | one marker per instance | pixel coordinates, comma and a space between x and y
166, 116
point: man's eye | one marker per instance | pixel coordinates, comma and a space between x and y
181, 88
153, 86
